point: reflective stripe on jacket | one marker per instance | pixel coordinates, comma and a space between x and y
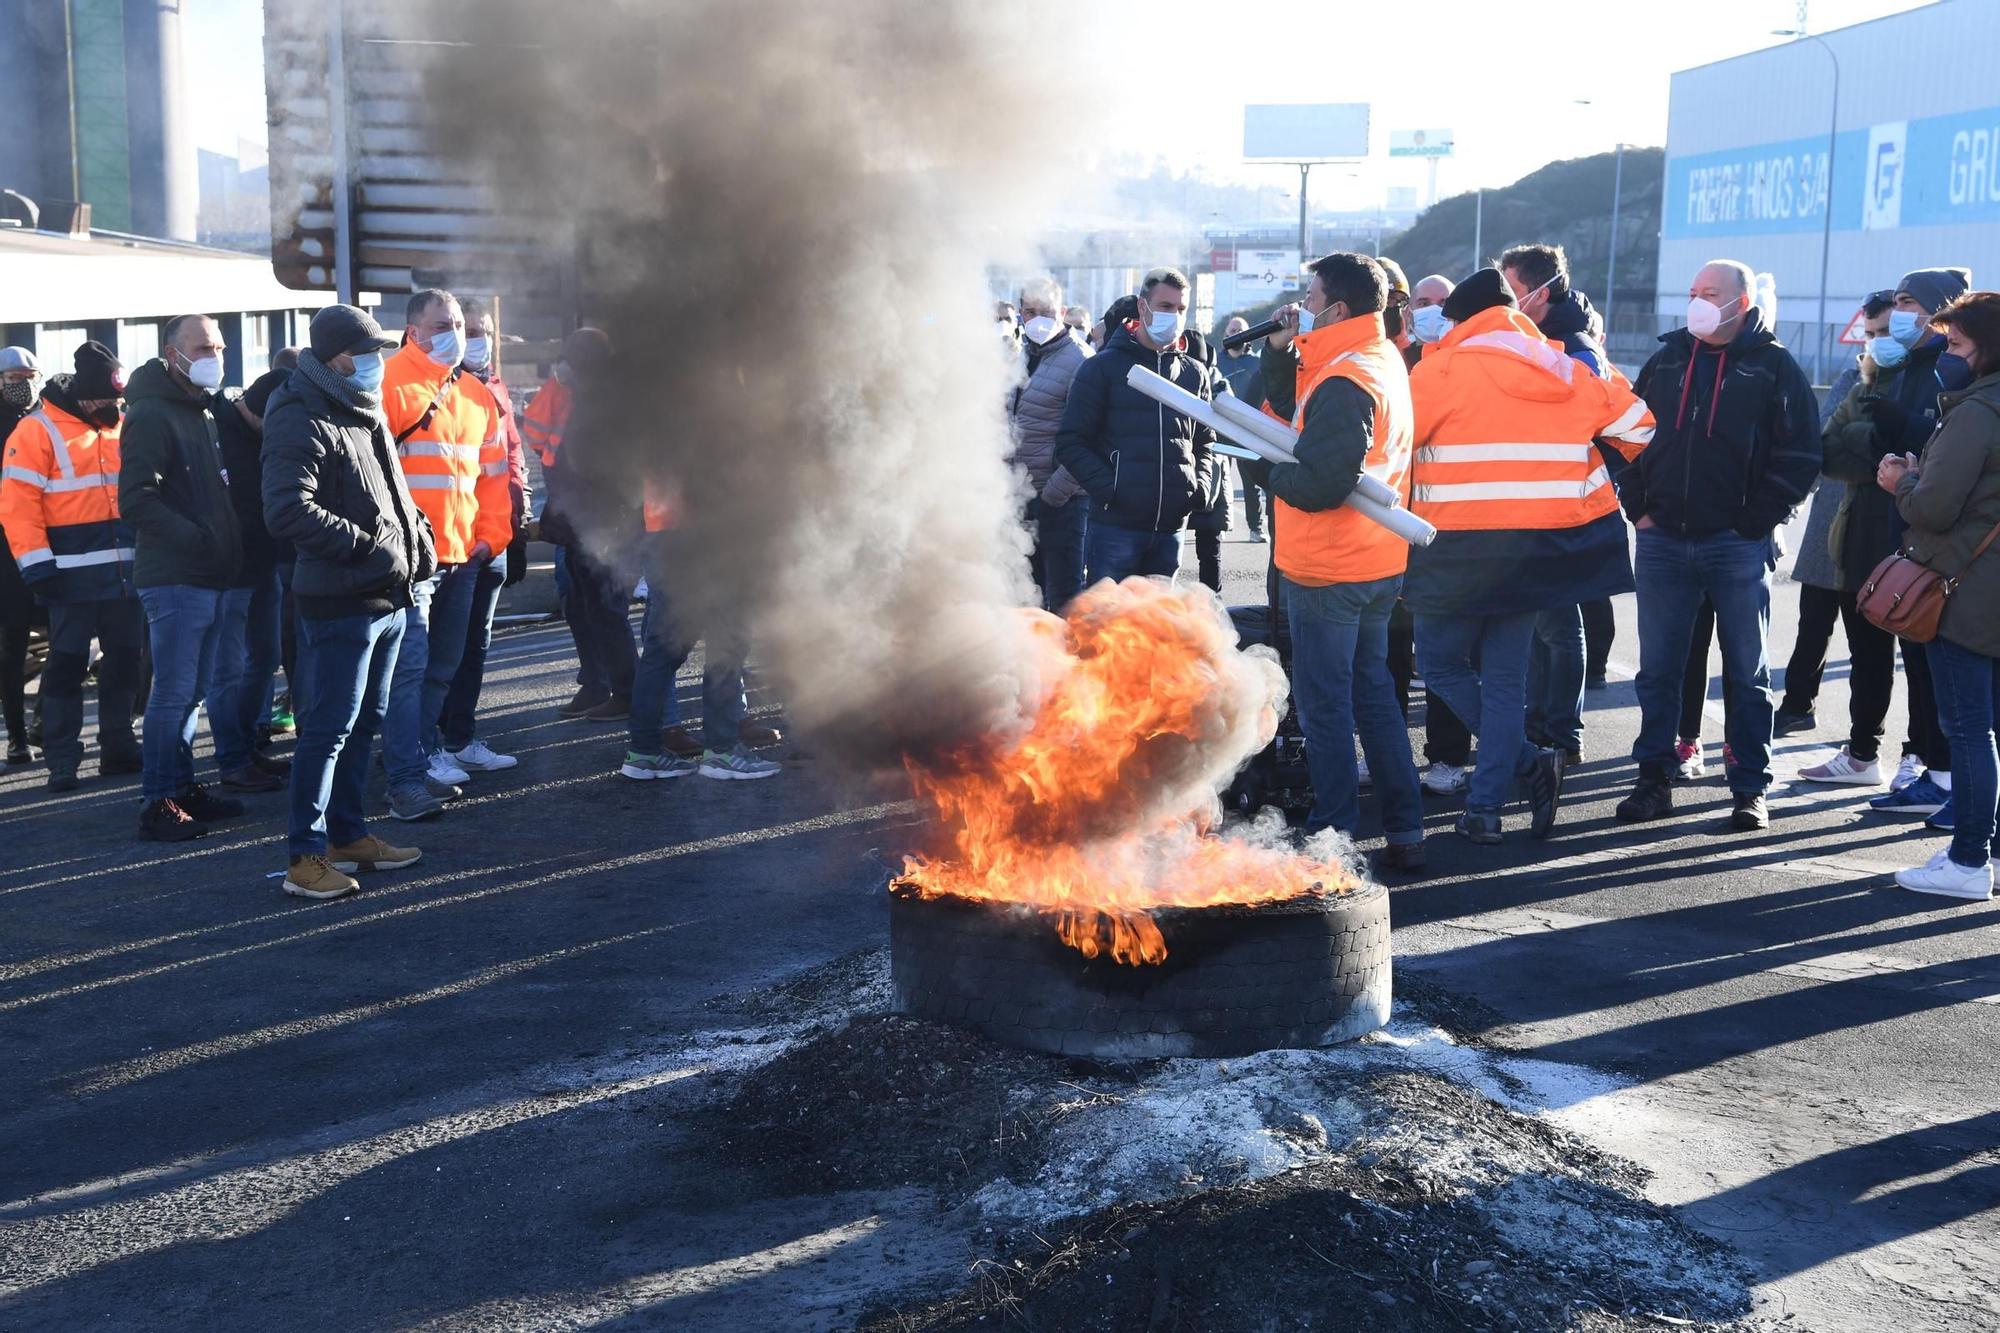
59, 507
1339, 545
456, 463
1505, 424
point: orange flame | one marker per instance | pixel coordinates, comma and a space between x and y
1101, 808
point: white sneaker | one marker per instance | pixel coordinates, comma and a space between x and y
479, 757
1445, 779
1907, 772
442, 769
1845, 768
1946, 878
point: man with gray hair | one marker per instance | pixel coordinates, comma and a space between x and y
1737, 447
1059, 513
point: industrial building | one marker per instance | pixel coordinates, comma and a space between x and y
1905, 111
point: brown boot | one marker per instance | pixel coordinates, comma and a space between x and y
371, 853
315, 877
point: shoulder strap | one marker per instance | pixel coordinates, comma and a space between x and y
431, 411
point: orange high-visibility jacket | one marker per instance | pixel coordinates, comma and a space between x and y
59, 506
1338, 545
455, 464
1505, 424
543, 419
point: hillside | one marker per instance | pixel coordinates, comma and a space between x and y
1568, 203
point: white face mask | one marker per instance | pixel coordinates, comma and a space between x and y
478, 353
205, 373
1522, 300
447, 347
1429, 325
1164, 326
1041, 328
1704, 317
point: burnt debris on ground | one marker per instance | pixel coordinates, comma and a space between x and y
1403, 1181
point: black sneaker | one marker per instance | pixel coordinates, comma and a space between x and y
19, 756
252, 778
116, 763
1751, 813
582, 702
1399, 859
206, 808
165, 820
1545, 789
62, 779
1787, 722
1600, 681
1479, 826
277, 768
1653, 798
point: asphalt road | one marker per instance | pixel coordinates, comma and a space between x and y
439, 1103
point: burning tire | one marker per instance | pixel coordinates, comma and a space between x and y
1299, 973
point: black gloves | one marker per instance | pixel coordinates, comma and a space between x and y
517, 561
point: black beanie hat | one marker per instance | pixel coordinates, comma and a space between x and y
99, 374
1482, 291
259, 393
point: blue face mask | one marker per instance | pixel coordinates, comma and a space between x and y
1887, 352
367, 373
1954, 372
1907, 327
448, 348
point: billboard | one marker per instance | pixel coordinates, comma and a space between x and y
1420, 143
1305, 132
1265, 275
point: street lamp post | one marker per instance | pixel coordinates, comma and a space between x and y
1611, 260
1821, 349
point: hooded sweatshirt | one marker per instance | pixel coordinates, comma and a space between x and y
171, 487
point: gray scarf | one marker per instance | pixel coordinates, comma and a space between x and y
336, 386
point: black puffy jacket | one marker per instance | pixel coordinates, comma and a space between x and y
1737, 446
333, 488
1146, 467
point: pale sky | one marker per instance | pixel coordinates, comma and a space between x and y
1509, 99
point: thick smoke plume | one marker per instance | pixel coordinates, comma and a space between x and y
783, 212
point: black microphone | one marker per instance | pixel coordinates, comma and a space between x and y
1253, 333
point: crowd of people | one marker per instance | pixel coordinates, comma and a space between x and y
1555, 483
348, 518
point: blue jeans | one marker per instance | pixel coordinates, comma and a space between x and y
1674, 574
668, 639
1489, 697
1117, 553
343, 689
434, 629
1061, 535
1555, 679
1340, 673
457, 724
246, 662
184, 624
1968, 701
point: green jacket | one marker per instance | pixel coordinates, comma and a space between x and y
171, 487
1952, 503
1865, 527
